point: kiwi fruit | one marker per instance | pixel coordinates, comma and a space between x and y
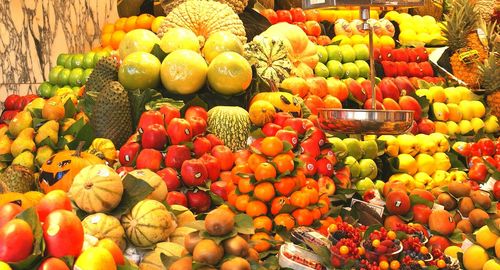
219, 222
236, 246
465, 226
447, 201
457, 217
185, 263
191, 240
481, 198
207, 251
253, 255
465, 206
236, 263
477, 217
459, 190
436, 191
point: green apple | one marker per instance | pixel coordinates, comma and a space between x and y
368, 168
45, 90
68, 62
63, 77
88, 60
322, 53
353, 165
139, 70
54, 89
54, 73
339, 147
364, 68
379, 184
99, 55
334, 52
360, 79
364, 184
348, 54
321, 70
138, 40
351, 70
335, 69
362, 52
61, 59
77, 60
76, 77
86, 74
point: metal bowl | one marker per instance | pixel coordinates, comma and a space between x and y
356, 121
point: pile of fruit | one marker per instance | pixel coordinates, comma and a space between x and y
192, 141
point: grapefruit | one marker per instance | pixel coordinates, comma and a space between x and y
139, 70
137, 40
183, 72
95, 258
220, 42
179, 38
229, 73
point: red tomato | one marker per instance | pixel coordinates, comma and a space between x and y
63, 234
298, 15
16, 240
478, 172
54, 200
53, 264
270, 15
8, 212
284, 16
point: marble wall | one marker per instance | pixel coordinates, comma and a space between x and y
34, 32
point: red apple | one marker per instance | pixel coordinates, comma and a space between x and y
270, 129
386, 54
198, 201
402, 68
219, 188
128, 153
288, 135
426, 69
478, 172
196, 111
324, 167
281, 117
298, 15
317, 86
487, 146
438, 242
213, 166
422, 55
198, 125
409, 103
400, 55
270, 15
296, 85
404, 85
356, 90
194, 172
11, 101
496, 190
324, 40
148, 118
149, 159
177, 198
310, 147
313, 28
312, 15
179, 130
326, 185
367, 86
154, 136
390, 104
284, 16
390, 68
317, 135
54, 200
214, 140
296, 124
169, 112
122, 171
414, 128
176, 155
225, 157
201, 145
9, 211
426, 126
337, 88
170, 177
309, 164
368, 105
415, 70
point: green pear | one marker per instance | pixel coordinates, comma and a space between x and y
23, 142
379, 184
370, 149
42, 154
25, 159
364, 184
353, 165
354, 148
21, 121
5, 144
339, 147
368, 168
49, 130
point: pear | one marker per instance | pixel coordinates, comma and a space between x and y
491, 124
21, 121
25, 159
24, 141
5, 144
370, 149
3, 130
443, 145
36, 104
49, 130
43, 153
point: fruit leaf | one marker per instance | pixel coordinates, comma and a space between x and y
370, 230
68, 260
49, 142
424, 104
416, 199
216, 199
352, 98
282, 232
30, 216
244, 224
86, 104
323, 254
138, 99
157, 104
455, 161
197, 225
408, 217
218, 239
158, 52
305, 111
38, 122
135, 190
73, 129
381, 147
165, 260
85, 134
257, 133
492, 226
267, 254
460, 257
196, 101
69, 109
36, 112
286, 147
456, 237
6, 158
287, 208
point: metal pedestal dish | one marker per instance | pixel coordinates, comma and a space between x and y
356, 121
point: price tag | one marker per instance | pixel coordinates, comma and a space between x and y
466, 244
488, 186
377, 208
437, 206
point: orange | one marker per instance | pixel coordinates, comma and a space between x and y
256, 208
299, 199
106, 39
278, 203
324, 203
108, 28
312, 193
284, 163
254, 160
310, 182
114, 249
130, 24
264, 191
285, 186
116, 38
241, 156
231, 197
263, 223
304, 217
265, 171
226, 176
272, 146
144, 21
120, 24
245, 186
242, 202
300, 178
260, 241
285, 220
155, 25
240, 169
316, 213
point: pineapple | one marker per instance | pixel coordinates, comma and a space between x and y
461, 24
490, 83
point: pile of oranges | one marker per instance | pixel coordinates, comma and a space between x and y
271, 184
113, 33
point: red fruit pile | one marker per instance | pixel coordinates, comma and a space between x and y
180, 151
483, 158
13, 104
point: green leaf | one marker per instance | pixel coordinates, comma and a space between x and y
36, 112
371, 229
69, 109
492, 226
47, 141
158, 52
216, 199
416, 199
218, 239
157, 104
135, 190
85, 134
138, 99
86, 104
196, 101
167, 260
322, 252
244, 224
456, 237
257, 133
68, 260
287, 147
455, 161
75, 128
6, 158
305, 111
288, 208
38, 122
424, 104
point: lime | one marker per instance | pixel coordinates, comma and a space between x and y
99, 55
86, 74
88, 60
45, 90
68, 62
335, 68
54, 73
140, 70
63, 77
61, 59
77, 60
76, 77
322, 53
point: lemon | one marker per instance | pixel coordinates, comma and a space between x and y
485, 237
422, 177
442, 161
465, 93
183, 72
452, 251
229, 73
407, 164
4, 266
437, 93
466, 109
452, 95
402, 177
95, 258
425, 163
475, 257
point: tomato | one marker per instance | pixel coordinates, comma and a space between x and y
487, 147
270, 15
8, 212
54, 200
284, 16
478, 172
16, 240
63, 234
53, 264
298, 15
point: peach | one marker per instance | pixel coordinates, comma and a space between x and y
296, 85
442, 222
337, 89
317, 86
332, 102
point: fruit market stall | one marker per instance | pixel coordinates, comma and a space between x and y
214, 136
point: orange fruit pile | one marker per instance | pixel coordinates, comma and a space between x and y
113, 33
